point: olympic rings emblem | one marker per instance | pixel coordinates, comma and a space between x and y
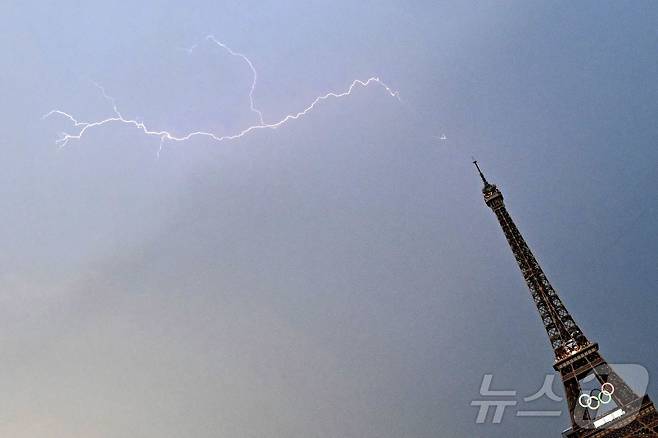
603, 397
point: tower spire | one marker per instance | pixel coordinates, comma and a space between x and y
484, 180
576, 358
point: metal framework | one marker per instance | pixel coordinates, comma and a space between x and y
576, 357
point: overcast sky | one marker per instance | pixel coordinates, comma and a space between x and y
339, 276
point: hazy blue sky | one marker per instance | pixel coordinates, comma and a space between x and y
339, 276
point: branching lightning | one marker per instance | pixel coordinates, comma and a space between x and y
253, 72
163, 135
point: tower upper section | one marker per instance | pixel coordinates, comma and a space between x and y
564, 334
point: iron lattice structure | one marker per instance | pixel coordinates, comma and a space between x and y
576, 358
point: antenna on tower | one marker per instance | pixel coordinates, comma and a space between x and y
484, 180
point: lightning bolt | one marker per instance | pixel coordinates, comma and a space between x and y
253, 72
163, 135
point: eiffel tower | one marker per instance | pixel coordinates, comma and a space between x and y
577, 359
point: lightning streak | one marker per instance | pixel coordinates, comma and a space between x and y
164, 135
110, 99
253, 71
